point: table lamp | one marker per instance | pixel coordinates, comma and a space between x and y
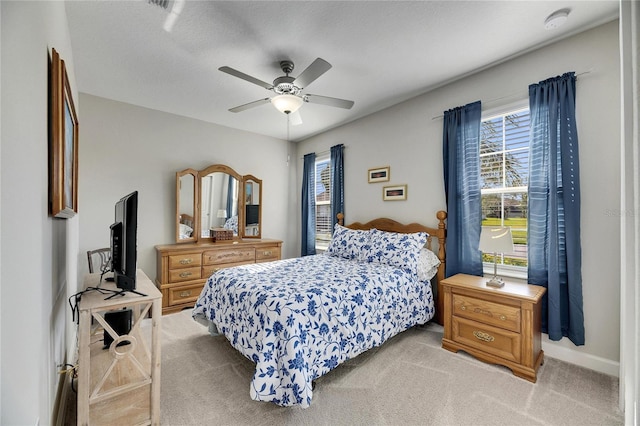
222, 214
496, 239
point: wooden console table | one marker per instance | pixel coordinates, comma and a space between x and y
119, 384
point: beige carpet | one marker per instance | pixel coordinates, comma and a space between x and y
410, 380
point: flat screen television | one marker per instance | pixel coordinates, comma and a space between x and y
124, 242
253, 211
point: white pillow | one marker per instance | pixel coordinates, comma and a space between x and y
428, 264
348, 243
395, 249
185, 230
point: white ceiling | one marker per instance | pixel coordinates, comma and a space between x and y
382, 52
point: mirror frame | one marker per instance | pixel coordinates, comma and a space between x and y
197, 228
245, 179
195, 208
221, 168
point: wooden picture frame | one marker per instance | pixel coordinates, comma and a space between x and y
394, 193
63, 143
379, 174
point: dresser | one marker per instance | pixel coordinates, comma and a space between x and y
495, 325
183, 269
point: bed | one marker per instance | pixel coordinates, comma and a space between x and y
298, 319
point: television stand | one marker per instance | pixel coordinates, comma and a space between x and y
122, 293
119, 385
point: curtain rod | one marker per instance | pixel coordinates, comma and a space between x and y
326, 151
519, 94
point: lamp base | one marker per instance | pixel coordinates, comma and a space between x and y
495, 282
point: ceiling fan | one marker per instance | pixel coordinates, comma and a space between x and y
289, 96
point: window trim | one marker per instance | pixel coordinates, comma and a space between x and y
321, 245
511, 271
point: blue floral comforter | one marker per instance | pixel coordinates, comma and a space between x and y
297, 319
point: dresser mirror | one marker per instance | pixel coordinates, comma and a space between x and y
253, 212
220, 203
186, 187
217, 197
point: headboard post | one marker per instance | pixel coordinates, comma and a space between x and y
340, 219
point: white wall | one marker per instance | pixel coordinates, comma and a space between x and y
125, 148
408, 137
35, 248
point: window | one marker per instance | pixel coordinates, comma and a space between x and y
323, 202
504, 177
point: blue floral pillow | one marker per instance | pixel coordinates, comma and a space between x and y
349, 243
394, 249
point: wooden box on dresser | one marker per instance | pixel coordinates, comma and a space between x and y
495, 325
183, 269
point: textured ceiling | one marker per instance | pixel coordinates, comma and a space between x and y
382, 52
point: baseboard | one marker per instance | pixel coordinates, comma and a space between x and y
62, 404
592, 362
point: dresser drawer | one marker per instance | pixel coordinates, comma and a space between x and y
184, 294
500, 315
266, 254
208, 270
185, 274
185, 260
502, 343
247, 255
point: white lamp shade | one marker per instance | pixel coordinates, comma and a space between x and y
287, 103
222, 214
496, 239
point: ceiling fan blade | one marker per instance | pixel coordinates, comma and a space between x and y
313, 71
295, 118
250, 105
325, 100
246, 77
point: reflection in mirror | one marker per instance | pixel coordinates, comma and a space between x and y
252, 200
185, 205
219, 202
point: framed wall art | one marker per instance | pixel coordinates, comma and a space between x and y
380, 174
394, 193
63, 142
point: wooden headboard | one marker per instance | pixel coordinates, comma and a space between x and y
186, 219
440, 232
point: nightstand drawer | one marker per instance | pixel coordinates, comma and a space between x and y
185, 260
496, 341
184, 294
186, 274
265, 254
500, 315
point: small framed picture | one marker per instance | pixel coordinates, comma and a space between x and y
394, 193
379, 174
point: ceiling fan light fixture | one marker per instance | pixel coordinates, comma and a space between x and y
287, 103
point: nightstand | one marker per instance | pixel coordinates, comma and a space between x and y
495, 325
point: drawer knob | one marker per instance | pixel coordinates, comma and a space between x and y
185, 293
463, 308
186, 261
266, 253
503, 317
480, 335
185, 274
